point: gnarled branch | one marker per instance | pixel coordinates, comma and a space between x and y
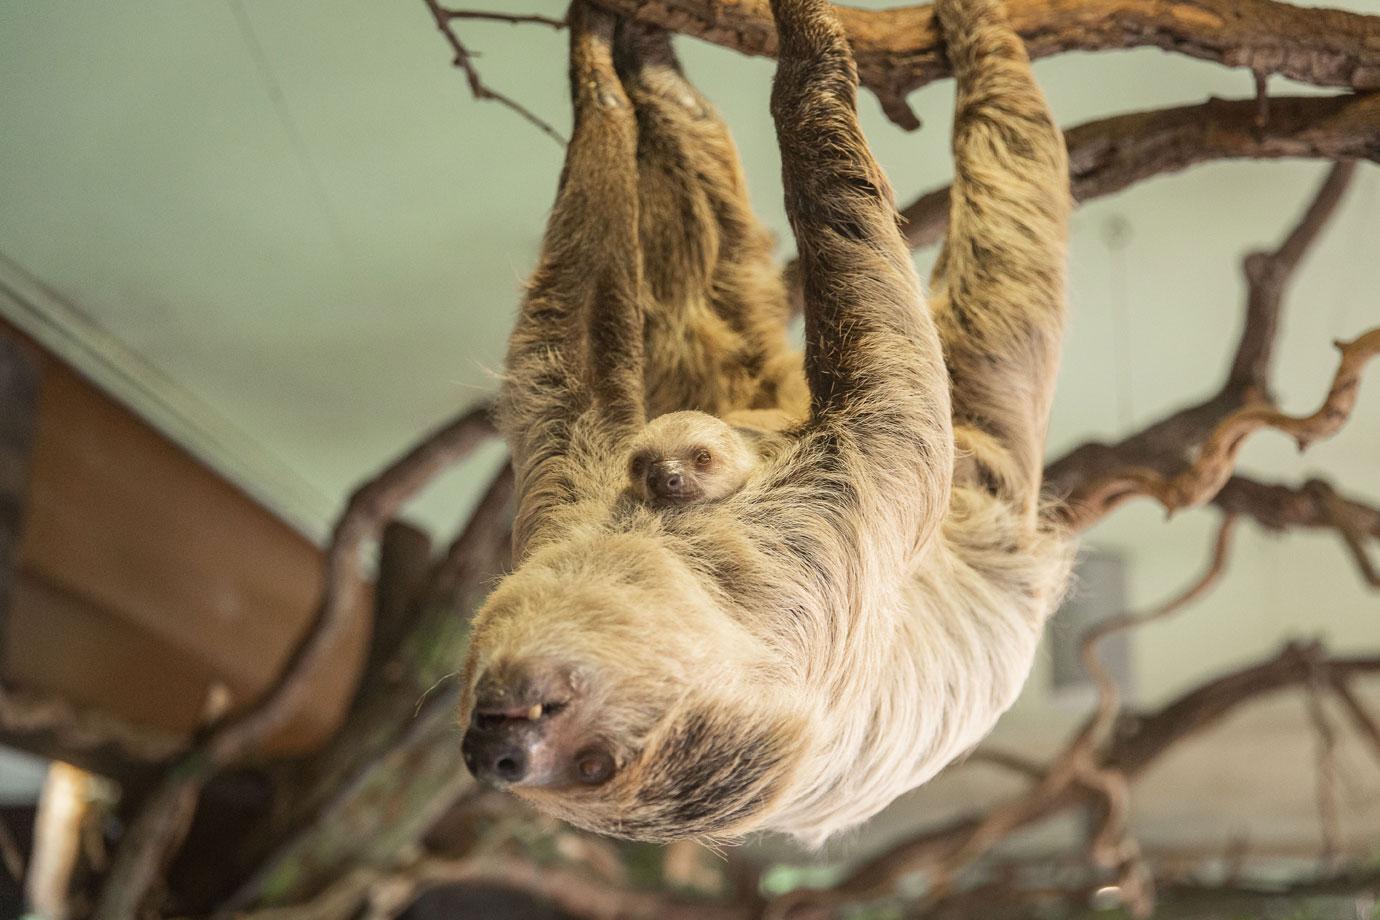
154, 830
900, 50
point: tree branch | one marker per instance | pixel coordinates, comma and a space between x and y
1158, 461
1268, 275
1111, 154
900, 50
1200, 480
152, 833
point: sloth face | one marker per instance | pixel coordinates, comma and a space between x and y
604, 695
684, 457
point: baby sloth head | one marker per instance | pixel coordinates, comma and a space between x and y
684, 457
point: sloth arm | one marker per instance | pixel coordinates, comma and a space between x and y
575, 356
999, 280
879, 437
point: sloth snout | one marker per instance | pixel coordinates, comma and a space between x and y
667, 480
522, 732
498, 756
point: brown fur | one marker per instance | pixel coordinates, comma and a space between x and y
797, 653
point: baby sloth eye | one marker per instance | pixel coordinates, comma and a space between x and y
703, 457
593, 766
638, 467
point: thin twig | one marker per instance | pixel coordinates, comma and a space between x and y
1361, 717
464, 59
1329, 821
511, 18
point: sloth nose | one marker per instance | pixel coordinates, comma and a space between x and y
511, 722
661, 481
497, 756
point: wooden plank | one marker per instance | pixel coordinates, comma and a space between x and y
128, 537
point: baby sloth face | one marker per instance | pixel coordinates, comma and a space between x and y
684, 457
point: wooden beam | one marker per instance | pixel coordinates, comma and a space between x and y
152, 588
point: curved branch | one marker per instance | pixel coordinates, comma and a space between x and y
1110, 154
899, 50
1202, 478
153, 832
1268, 275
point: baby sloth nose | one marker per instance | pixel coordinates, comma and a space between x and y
665, 480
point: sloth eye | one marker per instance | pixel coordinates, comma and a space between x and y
639, 466
593, 766
703, 457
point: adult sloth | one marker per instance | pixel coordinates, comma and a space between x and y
793, 656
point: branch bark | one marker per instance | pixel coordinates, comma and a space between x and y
154, 830
1160, 459
1111, 154
900, 50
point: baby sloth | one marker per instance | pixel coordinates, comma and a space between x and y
685, 457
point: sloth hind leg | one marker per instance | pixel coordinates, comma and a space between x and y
715, 332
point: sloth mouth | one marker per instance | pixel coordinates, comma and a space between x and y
493, 716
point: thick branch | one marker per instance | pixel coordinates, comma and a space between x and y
899, 50
1111, 154
1159, 461
153, 832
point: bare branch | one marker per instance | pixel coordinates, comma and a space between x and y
385, 894
1361, 717
464, 59
1329, 821
510, 18
899, 50
25, 716
1200, 480
1111, 154
1138, 741
1268, 275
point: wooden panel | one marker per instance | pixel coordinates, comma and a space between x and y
129, 538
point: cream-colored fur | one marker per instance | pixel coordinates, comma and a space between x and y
859, 611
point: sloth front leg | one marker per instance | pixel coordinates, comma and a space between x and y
576, 350
879, 389
999, 281
716, 327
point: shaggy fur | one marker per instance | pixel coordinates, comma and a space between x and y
861, 609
